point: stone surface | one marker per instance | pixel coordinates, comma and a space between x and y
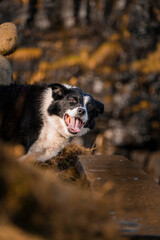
6, 71
153, 166
9, 38
138, 209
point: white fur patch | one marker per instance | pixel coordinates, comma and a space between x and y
69, 86
86, 99
73, 112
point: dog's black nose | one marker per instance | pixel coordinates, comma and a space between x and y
81, 111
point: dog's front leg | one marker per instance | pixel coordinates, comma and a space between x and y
30, 157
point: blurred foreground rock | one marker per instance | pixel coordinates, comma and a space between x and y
33, 201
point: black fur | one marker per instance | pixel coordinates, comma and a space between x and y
20, 113
94, 108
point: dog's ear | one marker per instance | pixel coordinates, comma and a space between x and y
58, 91
97, 107
100, 107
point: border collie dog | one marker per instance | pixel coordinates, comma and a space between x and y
44, 118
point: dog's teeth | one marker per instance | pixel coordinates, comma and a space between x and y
67, 119
73, 124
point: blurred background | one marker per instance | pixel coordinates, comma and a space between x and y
109, 48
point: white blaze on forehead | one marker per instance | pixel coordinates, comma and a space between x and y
86, 98
69, 86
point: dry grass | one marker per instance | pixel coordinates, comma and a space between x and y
150, 64
63, 165
26, 54
107, 51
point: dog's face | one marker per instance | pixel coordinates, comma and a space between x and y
76, 110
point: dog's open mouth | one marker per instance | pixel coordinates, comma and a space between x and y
74, 124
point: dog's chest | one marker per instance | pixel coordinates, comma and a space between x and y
49, 142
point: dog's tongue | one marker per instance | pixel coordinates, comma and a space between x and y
74, 124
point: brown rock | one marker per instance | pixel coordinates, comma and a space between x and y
140, 157
9, 38
153, 166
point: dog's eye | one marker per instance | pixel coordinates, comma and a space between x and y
89, 105
73, 100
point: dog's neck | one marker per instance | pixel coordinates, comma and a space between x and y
47, 146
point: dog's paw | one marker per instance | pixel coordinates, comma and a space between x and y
29, 158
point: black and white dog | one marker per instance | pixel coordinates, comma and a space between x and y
44, 118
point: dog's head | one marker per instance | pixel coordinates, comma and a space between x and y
76, 110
